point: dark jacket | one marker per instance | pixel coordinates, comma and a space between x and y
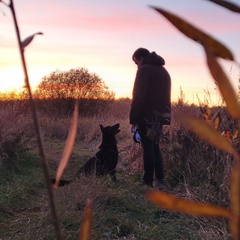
151, 93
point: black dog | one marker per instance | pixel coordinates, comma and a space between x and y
106, 159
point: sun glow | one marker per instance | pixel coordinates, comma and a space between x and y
11, 79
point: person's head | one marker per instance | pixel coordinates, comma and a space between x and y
139, 55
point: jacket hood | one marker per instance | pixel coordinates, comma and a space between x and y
153, 58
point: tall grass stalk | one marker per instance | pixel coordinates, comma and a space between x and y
36, 125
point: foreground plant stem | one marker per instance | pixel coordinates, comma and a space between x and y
37, 129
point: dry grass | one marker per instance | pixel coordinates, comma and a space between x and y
16, 132
120, 210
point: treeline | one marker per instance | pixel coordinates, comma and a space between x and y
64, 106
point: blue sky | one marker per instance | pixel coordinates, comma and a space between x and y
101, 35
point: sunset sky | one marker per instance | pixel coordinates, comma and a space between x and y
101, 35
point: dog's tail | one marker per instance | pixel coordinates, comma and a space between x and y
62, 182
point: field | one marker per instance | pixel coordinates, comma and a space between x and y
194, 171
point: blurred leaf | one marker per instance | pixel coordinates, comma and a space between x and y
235, 134
228, 93
197, 35
68, 146
235, 199
204, 131
208, 111
174, 203
206, 117
209, 122
28, 40
231, 6
86, 227
216, 120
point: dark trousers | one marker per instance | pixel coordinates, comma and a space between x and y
152, 158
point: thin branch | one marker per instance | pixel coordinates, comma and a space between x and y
37, 129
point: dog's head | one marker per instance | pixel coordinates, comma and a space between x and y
110, 130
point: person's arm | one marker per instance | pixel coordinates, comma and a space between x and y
139, 94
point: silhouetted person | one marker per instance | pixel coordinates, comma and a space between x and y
150, 110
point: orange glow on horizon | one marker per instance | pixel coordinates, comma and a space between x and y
101, 37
